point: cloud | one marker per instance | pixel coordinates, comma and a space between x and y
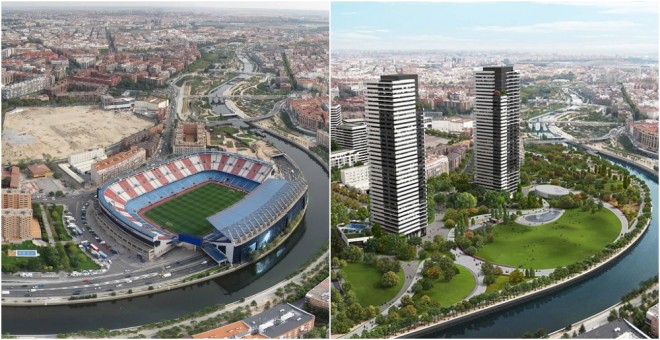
613, 7
430, 38
353, 36
560, 26
372, 31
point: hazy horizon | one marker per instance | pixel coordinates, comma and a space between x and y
308, 6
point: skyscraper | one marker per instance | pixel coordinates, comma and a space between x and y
497, 134
352, 136
395, 140
335, 118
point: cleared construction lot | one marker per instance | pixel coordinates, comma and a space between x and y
60, 131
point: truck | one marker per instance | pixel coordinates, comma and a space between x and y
102, 255
94, 247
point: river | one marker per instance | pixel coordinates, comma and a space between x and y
222, 109
300, 247
576, 302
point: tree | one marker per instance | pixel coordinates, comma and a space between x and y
613, 315
389, 279
450, 223
516, 277
353, 254
465, 200
490, 279
432, 272
582, 330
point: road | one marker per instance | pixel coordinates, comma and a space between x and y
261, 298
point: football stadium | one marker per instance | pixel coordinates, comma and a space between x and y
227, 205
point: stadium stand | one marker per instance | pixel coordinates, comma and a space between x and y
248, 225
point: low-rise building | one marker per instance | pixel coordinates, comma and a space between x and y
117, 165
455, 125
454, 160
356, 177
436, 165
110, 103
14, 175
323, 138
652, 320
342, 158
82, 161
646, 134
319, 296
189, 137
354, 137
283, 321
307, 113
150, 107
32, 85
39, 170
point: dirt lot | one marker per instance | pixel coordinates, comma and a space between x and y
60, 131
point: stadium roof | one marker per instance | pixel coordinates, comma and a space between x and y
265, 204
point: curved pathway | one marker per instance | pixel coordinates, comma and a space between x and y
412, 273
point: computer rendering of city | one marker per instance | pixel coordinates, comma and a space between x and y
165, 169
494, 169
329, 169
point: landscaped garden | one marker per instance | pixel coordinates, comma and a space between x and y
450, 292
575, 236
366, 283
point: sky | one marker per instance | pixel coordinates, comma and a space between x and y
582, 27
313, 5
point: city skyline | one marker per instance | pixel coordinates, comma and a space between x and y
169, 5
584, 28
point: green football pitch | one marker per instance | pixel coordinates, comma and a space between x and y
187, 213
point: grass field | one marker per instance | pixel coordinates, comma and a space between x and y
499, 283
365, 281
187, 213
576, 235
448, 293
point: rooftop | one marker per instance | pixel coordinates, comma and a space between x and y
617, 329
246, 216
38, 168
278, 320
116, 159
224, 332
552, 189
648, 127
321, 291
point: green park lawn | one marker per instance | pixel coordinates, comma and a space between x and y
499, 283
448, 293
365, 282
575, 236
187, 213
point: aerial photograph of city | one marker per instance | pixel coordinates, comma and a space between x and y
494, 169
165, 169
